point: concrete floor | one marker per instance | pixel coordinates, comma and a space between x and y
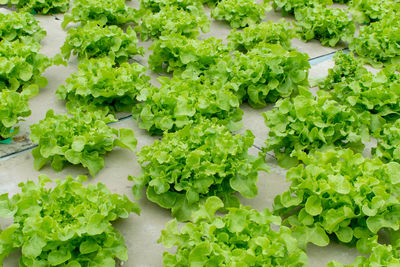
142, 232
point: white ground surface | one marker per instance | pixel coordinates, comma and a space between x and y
142, 232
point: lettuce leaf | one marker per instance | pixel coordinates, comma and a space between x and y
179, 102
98, 85
108, 12
94, 40
289, 6
240, 13
67, 225
366, 11
343, 195
243, 237
13, 106
201, 160
306, 123
328, 25
82, 139
20, 27
265, 32
39, 6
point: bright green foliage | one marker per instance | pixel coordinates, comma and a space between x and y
81, 139
328, 25
156, 5
39, 6
266, 32
243, 237
388, 145
341, 194
173, 19
98, 85
68, 225
289, 6
94, 40
107, 12
21, 66
177, 53
240, 13
20, 26
179, 102
13, 106
366, 11
306, 123
351, 84
200, 160
268, 72
382, 255
378, 43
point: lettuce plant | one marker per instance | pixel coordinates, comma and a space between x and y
328, 25
382, 255
388, 145
39, 6
94, 40
173, 19
377, 43
107, 12
177, 53
266, 32
201, 160
349, 83
20, 26
156, 5
366, 11
67, 225
179, 102
21, 66
99, 85
243, 236
289, 6
240, 13
82, 139
305, 124
268, 72
343, 195
13, 107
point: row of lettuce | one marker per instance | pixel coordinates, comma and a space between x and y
199, 164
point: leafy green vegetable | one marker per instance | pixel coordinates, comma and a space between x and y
268, 72
156, 5
266, 32
341, 194
21, 66
366, 11
39, 6
68, 225
20, 26
108, 12
240, 13
243, 237
98, 85
351, 84
382, 255
329, 25
81, 139
173, 19
177, 53
289, 6
305, 123
179, 102
199, 161
13, 106
94, 40
388, 145
378, 42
